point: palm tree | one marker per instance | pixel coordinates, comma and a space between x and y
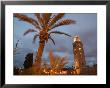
44, 23
57, 62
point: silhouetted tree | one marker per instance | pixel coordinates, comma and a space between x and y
28, 61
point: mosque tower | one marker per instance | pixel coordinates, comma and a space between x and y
79, 56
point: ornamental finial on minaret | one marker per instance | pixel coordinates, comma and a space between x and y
76, 38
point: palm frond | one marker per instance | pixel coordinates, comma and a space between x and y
46, 17
63, 22
56, 18
27, 19
38, 16
28, 31
51, 57
63, 61
58, 32
57, 62
35, 36
52, 40
40, 19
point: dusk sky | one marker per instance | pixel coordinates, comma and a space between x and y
85, 28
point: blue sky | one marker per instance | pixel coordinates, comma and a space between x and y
85, 27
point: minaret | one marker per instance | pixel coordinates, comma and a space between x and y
79, 56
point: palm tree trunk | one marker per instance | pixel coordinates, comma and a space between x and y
37, 63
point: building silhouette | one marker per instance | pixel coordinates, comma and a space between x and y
79, 56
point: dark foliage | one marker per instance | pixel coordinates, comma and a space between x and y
28, 61
16, 70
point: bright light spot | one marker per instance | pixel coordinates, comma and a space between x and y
79, 48
76, 38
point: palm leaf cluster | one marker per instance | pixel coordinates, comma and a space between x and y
27, 19
57, 62
44, 22
63, 22
56, 18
